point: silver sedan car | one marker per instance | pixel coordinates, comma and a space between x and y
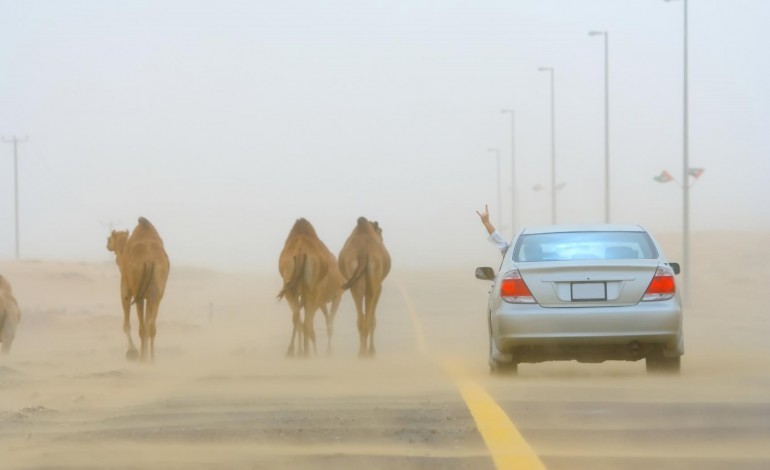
589, 293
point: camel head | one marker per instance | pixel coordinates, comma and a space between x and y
363, 225
117, 241
377, 229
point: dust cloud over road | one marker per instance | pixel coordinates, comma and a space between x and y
222, 394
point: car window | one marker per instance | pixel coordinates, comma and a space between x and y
564, 246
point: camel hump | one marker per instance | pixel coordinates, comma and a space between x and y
302, 227
362, 221
145, 227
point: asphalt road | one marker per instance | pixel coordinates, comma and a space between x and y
223, 395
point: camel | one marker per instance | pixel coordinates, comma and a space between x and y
144, 269
365, 263
311, 280
9, 315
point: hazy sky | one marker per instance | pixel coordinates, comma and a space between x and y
224, 121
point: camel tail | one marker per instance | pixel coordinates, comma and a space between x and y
146, 279
299, 267
360, 270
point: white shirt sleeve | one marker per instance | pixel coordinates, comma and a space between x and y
500, 243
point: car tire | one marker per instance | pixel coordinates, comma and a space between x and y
503, 368
657, 363
498, 367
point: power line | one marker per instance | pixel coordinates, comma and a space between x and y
16, 141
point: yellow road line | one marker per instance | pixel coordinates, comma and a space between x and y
504, 441
506, 445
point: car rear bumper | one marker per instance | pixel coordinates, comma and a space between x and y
533, 333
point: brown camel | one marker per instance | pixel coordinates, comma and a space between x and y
311, 280
365, 263
144, 269
9, 315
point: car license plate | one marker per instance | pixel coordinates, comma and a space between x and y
589, 291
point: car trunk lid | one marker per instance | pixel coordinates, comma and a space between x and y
588, 283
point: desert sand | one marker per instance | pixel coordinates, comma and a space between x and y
222, 394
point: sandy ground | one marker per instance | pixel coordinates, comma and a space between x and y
222, 394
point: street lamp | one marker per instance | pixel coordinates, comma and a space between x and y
16, 141
606, 121
553, 145
685, 171
513, 168
496, 151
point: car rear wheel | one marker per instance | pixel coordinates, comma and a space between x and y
503, 368
499, 367
657, 363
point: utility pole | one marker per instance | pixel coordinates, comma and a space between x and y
685, 168
686, 171
16, 141
606, 36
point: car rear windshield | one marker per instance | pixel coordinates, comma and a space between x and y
584, 245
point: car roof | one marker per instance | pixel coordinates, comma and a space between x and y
583, 228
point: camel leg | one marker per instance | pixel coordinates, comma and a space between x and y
7, 332
332, 315
143, 328
309, 332
329, 316
6, 341
358, 299
296, 320
325, 311
371, 316
152, 315
131, 354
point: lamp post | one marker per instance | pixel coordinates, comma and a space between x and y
606, 121
685, 171
496, 151
513, 168
16, 141
553, 145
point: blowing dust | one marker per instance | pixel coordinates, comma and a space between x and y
222, 393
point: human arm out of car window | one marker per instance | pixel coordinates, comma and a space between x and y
484, 216
500, 243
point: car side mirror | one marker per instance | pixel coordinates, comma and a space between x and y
675, 266
485, 274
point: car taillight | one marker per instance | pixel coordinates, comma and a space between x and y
662, 286
514, 290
